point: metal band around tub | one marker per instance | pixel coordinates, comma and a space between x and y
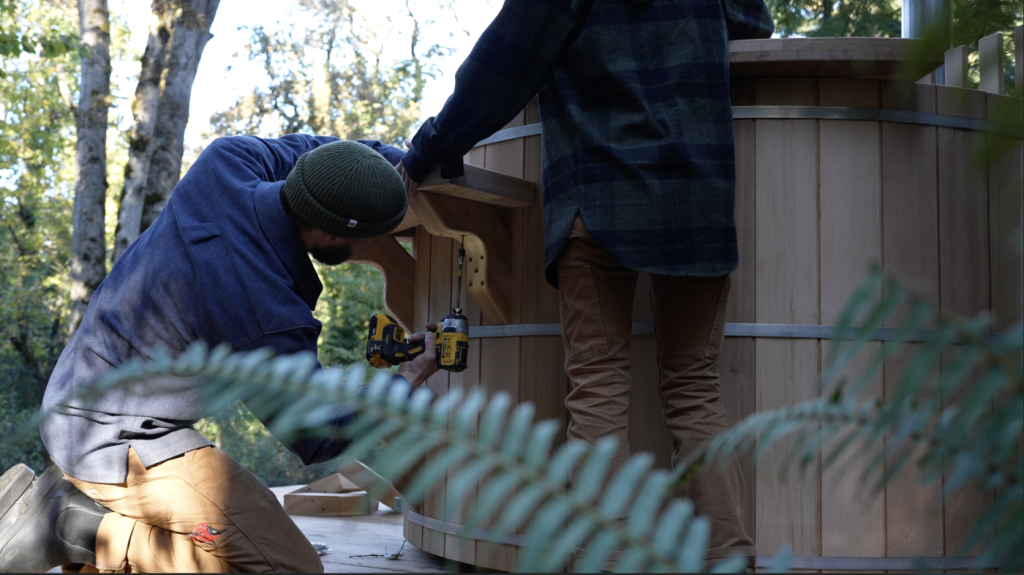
764, 330
462, 531
767, 561
511, 134
820, 113
874, 115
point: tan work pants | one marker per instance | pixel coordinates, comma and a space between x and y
689, 323
157, 509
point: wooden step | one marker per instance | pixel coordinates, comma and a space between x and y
483, 185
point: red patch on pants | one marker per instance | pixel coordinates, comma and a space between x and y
203, 533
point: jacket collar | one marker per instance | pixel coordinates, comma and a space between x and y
286, 243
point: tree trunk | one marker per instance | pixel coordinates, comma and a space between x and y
178, 34
88, 264
190, 34
140, 143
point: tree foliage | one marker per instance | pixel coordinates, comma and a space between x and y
36, 183
352, 294
333, 77
239, 433
830, 19
38, 94
972, 20
36, 29
975, 19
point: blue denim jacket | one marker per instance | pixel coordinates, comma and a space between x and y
222, 264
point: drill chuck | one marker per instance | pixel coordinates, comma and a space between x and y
452, 343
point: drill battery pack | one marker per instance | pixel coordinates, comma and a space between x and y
387, 345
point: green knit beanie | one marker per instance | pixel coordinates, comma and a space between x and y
347, 190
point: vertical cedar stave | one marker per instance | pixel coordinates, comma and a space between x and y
736, 363
421, 292
438, 305
787, 509
542, 377
500, 357
458, 548
798, 216
542, 358
914, 526
849, 196
1005, 214
963, 273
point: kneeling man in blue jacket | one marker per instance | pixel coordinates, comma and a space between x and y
136, 488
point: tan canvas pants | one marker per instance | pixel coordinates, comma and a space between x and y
157, 509
689, 323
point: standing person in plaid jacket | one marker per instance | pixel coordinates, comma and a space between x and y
639, 175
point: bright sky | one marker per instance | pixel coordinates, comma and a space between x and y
217, 87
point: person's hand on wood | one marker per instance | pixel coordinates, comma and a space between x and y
422, 366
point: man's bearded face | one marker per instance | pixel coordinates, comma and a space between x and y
333, 255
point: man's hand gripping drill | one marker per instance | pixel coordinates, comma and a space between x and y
387, 346
445, 347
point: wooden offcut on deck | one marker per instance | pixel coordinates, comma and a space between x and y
360, 544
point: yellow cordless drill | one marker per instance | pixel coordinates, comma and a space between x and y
387, 344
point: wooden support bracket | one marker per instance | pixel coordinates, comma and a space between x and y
483, 185
411, 220
488, 264
399, 269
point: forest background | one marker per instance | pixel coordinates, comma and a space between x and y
128, 98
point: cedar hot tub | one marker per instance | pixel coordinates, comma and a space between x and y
842, 159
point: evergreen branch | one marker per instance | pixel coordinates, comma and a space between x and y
970, 432
389, 412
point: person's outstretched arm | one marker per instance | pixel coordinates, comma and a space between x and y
390, 153
507, 67
257, 159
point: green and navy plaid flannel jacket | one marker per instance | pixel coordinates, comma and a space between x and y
636, 121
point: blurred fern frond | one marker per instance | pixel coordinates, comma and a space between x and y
507, 454
955, 412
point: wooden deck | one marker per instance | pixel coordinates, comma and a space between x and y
360, 544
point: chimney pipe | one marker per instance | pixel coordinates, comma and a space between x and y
923, 16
